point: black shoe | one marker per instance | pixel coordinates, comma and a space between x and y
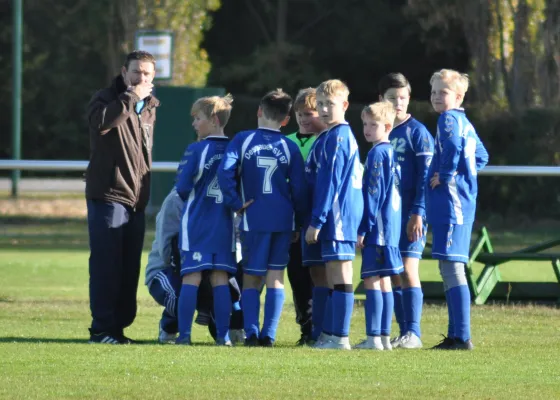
103, 338
305, 340
266, 342
463, 345
252, 341
126, 340
446, 344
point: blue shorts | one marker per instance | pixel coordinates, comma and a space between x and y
265, 250
196, 261
311, 253
381, 261
451, 242
412, 249
334, 250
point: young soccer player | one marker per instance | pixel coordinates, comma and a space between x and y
451, 199
207, 236
414, 148
309, 312
380, 229
268, 171
337, 206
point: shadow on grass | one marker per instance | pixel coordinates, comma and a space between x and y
13, 339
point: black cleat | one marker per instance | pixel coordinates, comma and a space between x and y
252, 341
303, 340
446, 344
266, 342
104, 338
463, 345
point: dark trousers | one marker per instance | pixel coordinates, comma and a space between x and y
116, 238
302, 288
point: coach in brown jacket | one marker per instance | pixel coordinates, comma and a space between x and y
121, 125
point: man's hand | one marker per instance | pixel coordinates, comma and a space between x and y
360, 242
142, 90
242, 209
312, 235
414, 228
435, 180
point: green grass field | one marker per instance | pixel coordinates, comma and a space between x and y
44, 314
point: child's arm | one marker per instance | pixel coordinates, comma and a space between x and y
168, 224
298, 186
377, 175
481, 155
424, 149
227, 176
451, 143
185, 179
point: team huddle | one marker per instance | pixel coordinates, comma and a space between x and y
225, 230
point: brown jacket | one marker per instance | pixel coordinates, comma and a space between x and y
120, 146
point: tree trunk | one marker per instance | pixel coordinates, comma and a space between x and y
522, 71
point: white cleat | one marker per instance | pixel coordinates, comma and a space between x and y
371, 343
410, 341
336, 343
386, 343
165, 338
237, 336
322, 339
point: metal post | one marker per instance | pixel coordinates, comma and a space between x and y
16, 92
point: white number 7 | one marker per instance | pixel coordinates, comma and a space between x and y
269, 164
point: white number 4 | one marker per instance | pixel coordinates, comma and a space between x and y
215, 191
270, 164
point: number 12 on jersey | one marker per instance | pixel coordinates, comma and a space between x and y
270, 164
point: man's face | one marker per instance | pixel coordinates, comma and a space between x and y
138, 72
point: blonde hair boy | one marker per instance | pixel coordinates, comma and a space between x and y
448, 89
382, 111
211, 114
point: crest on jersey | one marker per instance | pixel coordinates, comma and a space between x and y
197, 256
449, 123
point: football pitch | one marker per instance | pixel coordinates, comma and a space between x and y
44, 315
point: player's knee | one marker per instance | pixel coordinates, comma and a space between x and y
453, 274
193, 278
219, 278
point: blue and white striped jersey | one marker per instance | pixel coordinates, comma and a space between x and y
414, 149
264, 166
207, 223
381, 222
311, 165
459, 155
338, 202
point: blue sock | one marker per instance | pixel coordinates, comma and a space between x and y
413, 299
328, 317
460, 297
399, 309
387, 312
222, 310
320, 295
342, 306
274, 301
450, 324
187, 306
373, 310
251, 305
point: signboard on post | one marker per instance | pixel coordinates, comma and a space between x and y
160, 45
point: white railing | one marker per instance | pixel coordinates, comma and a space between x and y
171, 166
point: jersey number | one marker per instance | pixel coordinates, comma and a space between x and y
270, 164
399, 145
215, 191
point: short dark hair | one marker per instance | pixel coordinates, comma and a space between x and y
276, 105
394, 80
139, 55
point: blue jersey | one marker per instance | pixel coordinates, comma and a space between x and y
338, 202
459, 155
381, 222
414, 149
311, 165
207, 224
264, 166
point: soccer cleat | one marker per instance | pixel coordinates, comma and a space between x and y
371, 343
252, 341
336, 343
103, 338
165, 337
126, 340
303, 340
446, 344
237, 336
223, 342
463, 345
396, 341
184, 340
410, 341
322, 339
266, 342
386, 342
